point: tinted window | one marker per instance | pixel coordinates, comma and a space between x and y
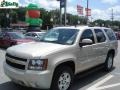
88, 34
100, 35
110, 34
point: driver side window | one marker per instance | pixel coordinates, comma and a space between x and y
87, 34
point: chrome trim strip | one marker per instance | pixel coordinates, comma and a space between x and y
15, 61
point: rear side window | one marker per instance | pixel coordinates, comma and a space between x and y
100, 35
110, 34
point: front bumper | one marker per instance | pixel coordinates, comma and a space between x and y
35, 79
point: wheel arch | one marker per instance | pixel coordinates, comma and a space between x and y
70, 64
111, 51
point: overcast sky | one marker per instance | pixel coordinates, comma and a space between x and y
101, 9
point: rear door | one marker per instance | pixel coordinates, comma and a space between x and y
100, 48
113, 43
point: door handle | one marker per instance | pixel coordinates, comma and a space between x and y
106, 45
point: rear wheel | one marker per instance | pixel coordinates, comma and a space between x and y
109, 62
62, 79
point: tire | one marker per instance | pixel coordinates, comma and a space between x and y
109, 62
63, 75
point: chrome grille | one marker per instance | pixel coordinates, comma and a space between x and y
16, 62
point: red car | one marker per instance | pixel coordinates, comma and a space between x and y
12, 38
117, 35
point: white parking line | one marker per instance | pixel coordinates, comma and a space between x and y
108, 86
116, 73
95, 86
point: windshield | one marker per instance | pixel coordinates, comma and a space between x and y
16, 35
60, 36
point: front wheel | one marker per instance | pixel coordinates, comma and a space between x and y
62, 79
109, 62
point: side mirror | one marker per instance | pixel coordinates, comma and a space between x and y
85, 42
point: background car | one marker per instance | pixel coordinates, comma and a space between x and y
23, 30
34, 35
117, 35
33, 29
6, 29
12, 38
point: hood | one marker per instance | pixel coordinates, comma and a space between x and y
34, 49
23, 40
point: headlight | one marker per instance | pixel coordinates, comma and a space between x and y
38, 64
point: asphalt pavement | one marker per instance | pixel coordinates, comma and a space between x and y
98, 80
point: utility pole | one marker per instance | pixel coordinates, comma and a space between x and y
60, 16
112, 17
87, 10
65, 13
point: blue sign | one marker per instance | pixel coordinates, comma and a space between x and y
62, 3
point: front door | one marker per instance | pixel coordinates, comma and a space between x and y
85, 53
